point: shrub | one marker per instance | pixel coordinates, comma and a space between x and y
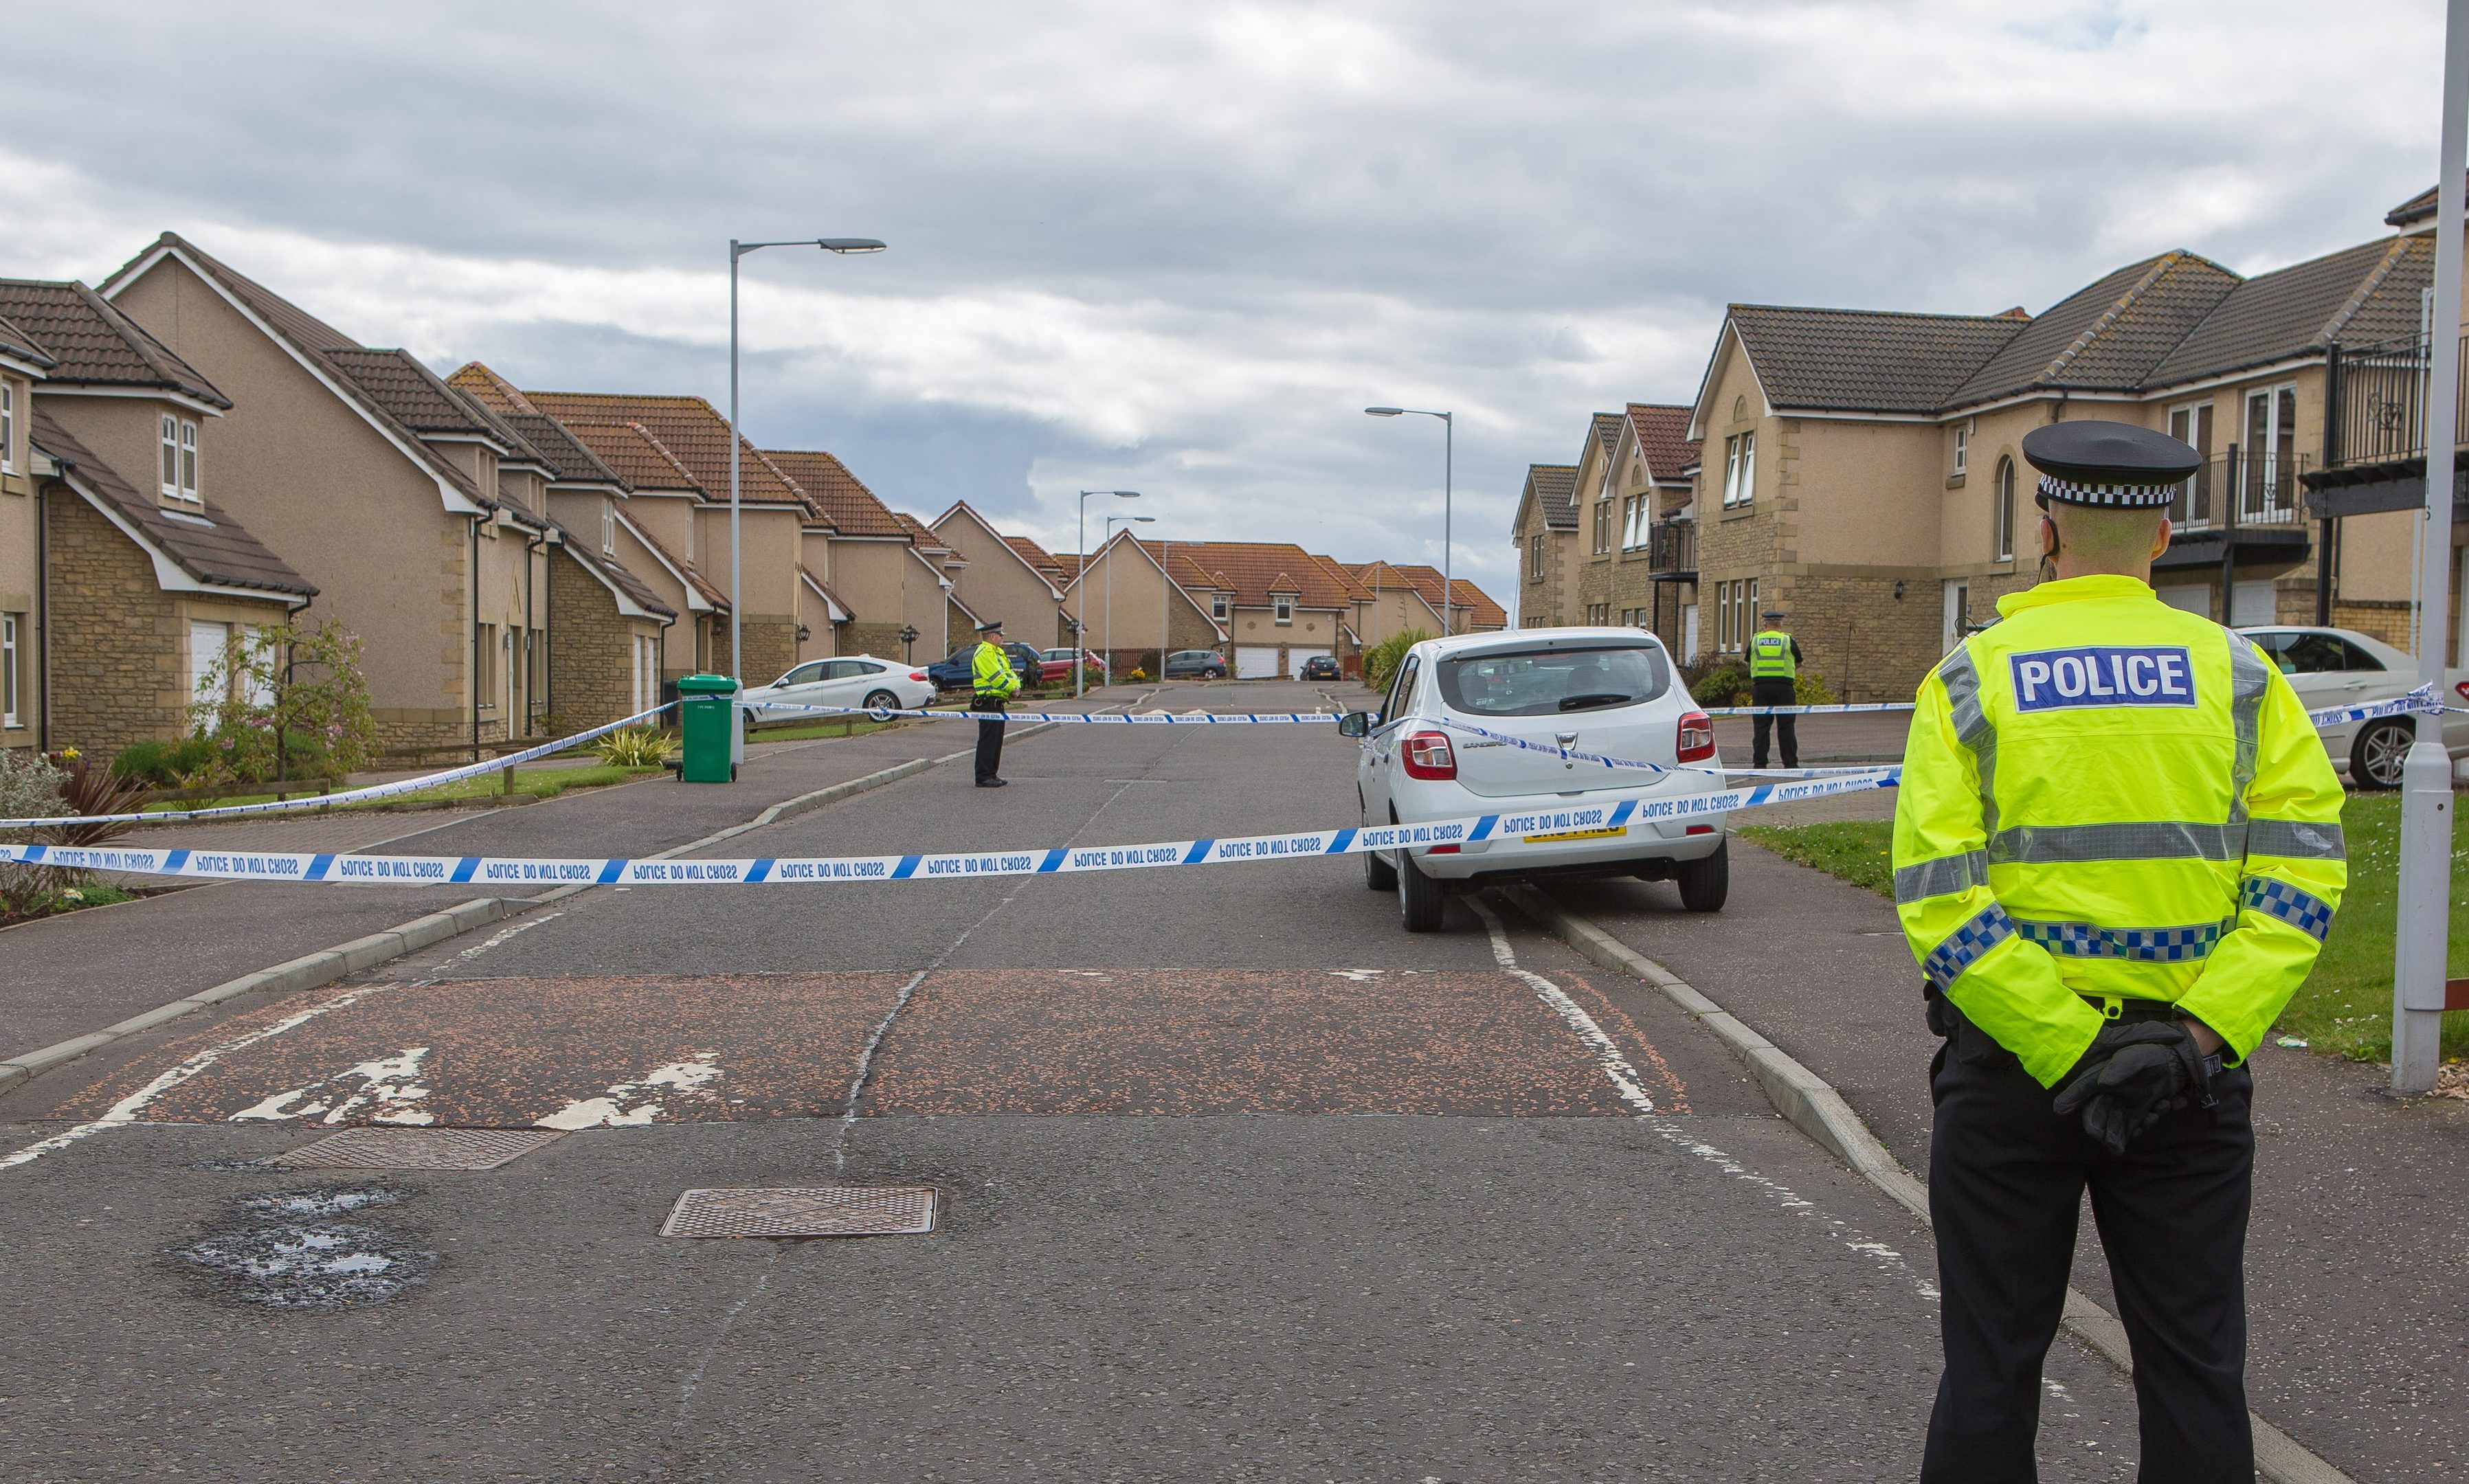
87, 790
1723, 683
1380, 662
1809, 689
637, 747
162, 764
30, 788
302, 685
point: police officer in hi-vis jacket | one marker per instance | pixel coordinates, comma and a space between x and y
992, 684
2117, 849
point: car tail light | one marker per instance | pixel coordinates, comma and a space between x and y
916, 674
1701, 829
1696, 739
1441, 850
2462, 690
1427, 755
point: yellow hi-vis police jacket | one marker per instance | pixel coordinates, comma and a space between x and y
990, 670
2105, 798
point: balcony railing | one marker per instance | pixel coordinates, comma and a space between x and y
2235, 490
2378, 401
1672, 547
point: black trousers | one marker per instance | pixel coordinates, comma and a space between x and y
989, 739
2006, 1179
1773, 692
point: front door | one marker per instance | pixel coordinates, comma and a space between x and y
1958, 612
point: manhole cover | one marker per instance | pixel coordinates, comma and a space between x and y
845, 1211
414, 1149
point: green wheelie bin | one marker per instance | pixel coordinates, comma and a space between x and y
707, 707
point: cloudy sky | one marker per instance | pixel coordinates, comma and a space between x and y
1177, 247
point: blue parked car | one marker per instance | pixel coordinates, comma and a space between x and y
958, 672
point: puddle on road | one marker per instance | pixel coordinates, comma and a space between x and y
286, 1249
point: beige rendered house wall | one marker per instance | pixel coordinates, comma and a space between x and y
1750, 540
768, 615
20, 574
1538, 596
1146, 612
333, 498
997, 584
867, 574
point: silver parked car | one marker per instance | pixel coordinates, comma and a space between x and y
2341, 667
1613, 692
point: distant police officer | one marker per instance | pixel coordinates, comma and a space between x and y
2117, 848
994, 683
1774, 670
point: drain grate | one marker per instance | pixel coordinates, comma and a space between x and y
838, 1211
414, 1149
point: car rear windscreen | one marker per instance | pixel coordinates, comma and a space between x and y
1552, 682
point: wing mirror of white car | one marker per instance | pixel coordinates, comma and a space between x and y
1355, 724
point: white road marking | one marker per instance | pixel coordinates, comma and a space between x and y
386, 1081
611, 1109
1617, 1069
500, 936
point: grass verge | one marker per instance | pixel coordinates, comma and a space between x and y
2343, 1007
540, 783
88, 892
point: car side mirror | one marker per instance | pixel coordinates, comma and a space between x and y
1355, 724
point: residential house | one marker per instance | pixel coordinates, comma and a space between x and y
23, 364
869, 562
1277, 603
656, 540
403, 533
1471, 610
1142, 598
1010, 578
1395, 604
1862, 469
1548, 550
933, 560
693, 523
148, 586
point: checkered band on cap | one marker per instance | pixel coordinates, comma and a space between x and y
2123, 496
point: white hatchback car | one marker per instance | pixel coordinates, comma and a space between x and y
855, 680
2341, 667
1612, 691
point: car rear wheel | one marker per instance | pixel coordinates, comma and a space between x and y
2380, 753
881, 701
1704, 884
1421, 900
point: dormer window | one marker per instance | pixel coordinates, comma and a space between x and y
607, 529
1217, 605
1285, 609
8, 428
180, 480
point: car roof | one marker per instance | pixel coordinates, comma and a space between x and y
1494, 640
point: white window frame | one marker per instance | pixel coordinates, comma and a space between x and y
8, 700
609, 528
1740, 469
188, 490
8, 428
169, 480
1962, 448
1217, 605
2268, 482
1284, 608
2001, 512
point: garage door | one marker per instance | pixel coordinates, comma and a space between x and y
1295, 661
1255, 662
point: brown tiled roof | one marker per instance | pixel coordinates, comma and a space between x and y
1344, 577
2416, 208
1607, 431
317, 341
90, 343
682, 568
853, 509
613, 572
2107, 335
491, 390
2359, 296
1556, 490
1865, 360
689, 428
211, 547
415, 397
637, 457
1034, 555
16, 342
1663, 436
1252, 571
568, 461
1471, 600
920, 535
1186, 571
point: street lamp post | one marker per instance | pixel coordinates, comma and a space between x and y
1080, 624
846, 247
1448, 480
1112, 521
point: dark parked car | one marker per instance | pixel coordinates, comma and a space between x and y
1195, 664
1320, 667
957, 670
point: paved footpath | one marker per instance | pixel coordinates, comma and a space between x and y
2358, 1295
1244, 1183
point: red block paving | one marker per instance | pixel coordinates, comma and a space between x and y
600, 1051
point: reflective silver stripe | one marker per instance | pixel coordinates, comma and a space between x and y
2153, 840
1942, 876
1962, 947
2296, 839
2137, 945
2249, 678
1972, 725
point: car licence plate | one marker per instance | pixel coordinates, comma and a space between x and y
1575, 835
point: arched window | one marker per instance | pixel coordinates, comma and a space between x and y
2005, 513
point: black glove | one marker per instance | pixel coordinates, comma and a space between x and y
2132, 1075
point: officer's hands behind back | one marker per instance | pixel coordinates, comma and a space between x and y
2134, 1075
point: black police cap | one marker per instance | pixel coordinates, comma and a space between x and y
990, 626
2112, 463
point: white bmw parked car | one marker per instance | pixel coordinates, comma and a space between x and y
2339, 667
1613, 692
854, 680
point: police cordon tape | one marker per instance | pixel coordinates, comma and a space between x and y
1534, 827
401, 785
1151, 718
1576, 754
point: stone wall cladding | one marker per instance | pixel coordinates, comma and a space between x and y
1868, 644
771, 648
590, 657
880, 640
116, 644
